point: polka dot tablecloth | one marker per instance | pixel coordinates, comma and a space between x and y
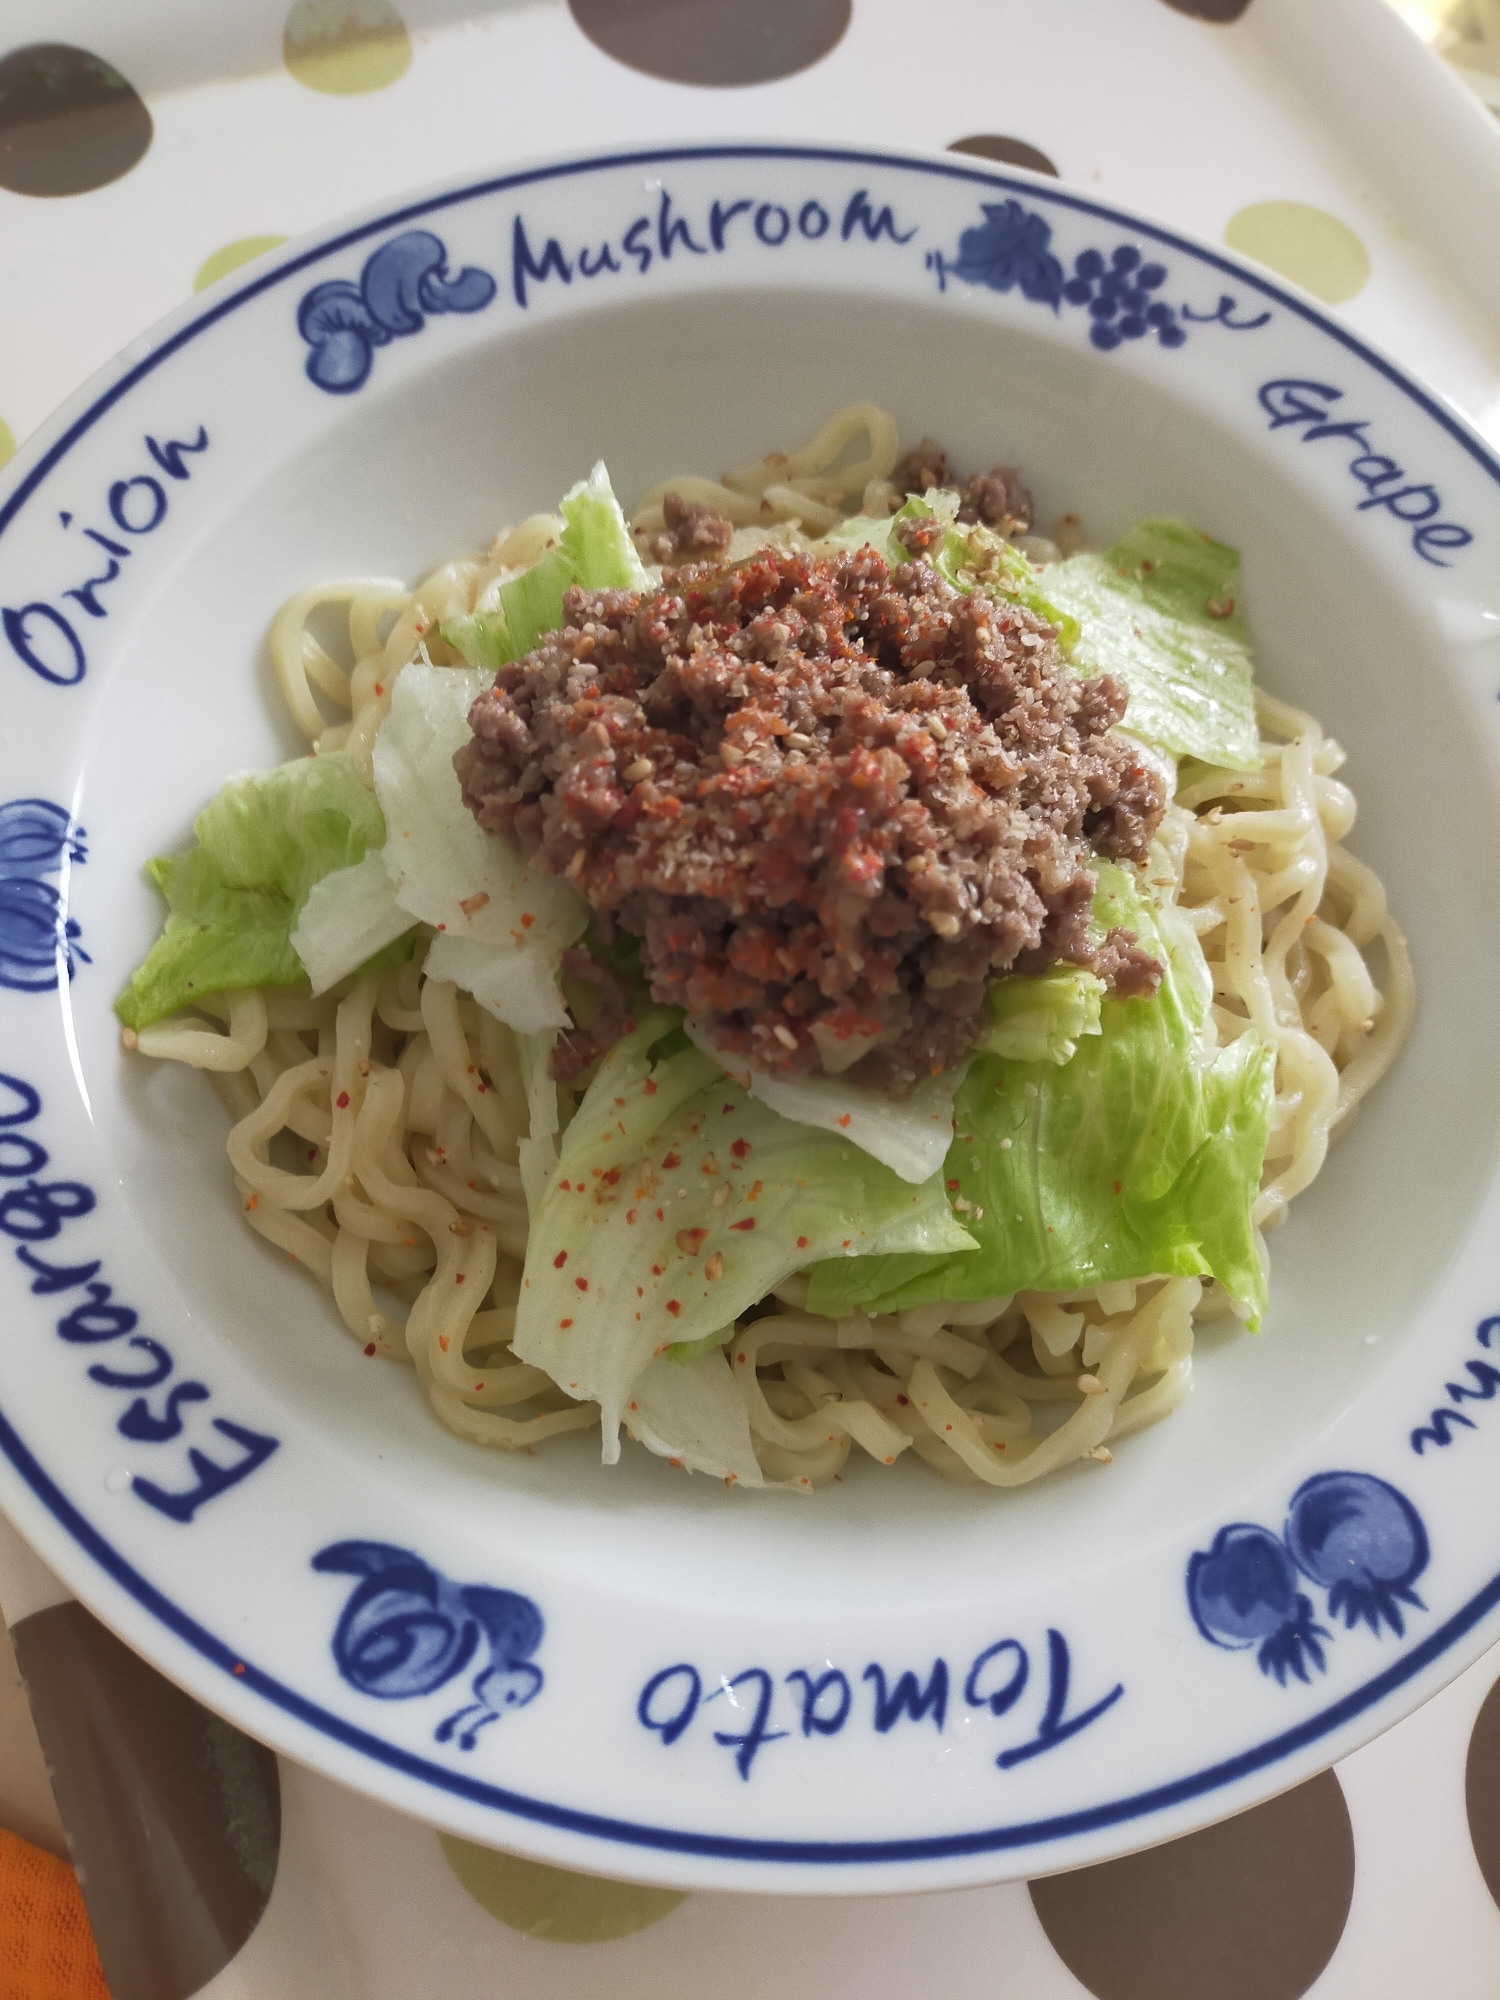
148, 151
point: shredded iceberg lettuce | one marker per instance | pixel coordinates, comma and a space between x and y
688, 1407
1160, 611
1041, 1019
910, 1134
501, 927
594, 549
634, 1246
233, 899
347, 918
1140, 1156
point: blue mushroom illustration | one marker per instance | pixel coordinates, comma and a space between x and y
1352, 1534
1363, 1541
1243, 1591
408, 1631
37, 841
404, 280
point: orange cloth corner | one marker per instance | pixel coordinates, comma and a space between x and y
46, 1947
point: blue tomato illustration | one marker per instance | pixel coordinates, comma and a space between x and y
1363, 1541
1242, 1592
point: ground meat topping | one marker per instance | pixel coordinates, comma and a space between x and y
689, 531
996, 498
830, 798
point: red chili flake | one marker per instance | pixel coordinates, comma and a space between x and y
674, 1306
640, 1291
754, 1190
903, 1401
566, 1186
239, 1666
952, 1187
458, 1277
582, 1284
727, 1108
631, 1214
748, 1223
370, 1347
559, 1260
1117, 1187
649, 1087
675, 1461
844, 1121
620, 1102
690, 1241
801, 1242
611, 1177
312, 1152
672, 1160
739, 1358
478, 1385
527, 920
846, 1242
657, 1269
740, 1148
660, 1216
379, 687
565, 1324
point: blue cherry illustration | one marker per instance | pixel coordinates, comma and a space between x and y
1242, 1591
1363, 1541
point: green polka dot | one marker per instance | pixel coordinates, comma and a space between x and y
231, 256
554, 1903
1308, 245
345, 47
7, 441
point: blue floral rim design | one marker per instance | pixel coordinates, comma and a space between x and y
245, 1674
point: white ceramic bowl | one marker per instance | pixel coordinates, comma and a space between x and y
722, 1697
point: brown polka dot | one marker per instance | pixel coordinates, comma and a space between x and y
1251, 1909
1219, 11
1010, 152
69, 122
1482, 1790
715, 42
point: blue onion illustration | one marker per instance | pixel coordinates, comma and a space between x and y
34, 837
1363, 1541
1242, 1592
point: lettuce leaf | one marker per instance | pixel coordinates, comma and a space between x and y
634, 1247
594, 549
970, 557
910, 1134
233, 899
1160, 610
1136, 1158
1041, 1019
502, 927
348, 918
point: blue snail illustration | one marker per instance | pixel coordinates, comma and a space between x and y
407, 1631
37, 841
1350, 1533
401, 282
